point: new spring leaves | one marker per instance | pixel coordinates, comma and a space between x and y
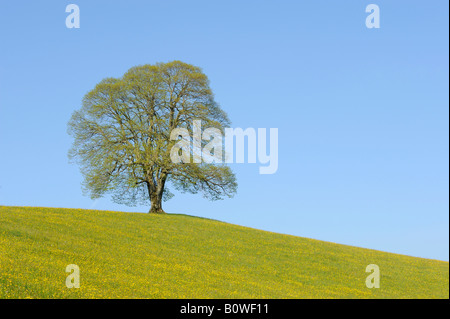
372, 20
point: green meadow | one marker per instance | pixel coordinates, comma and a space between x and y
131, 255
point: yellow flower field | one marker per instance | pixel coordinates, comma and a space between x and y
126, 255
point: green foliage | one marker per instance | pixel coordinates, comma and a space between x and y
126, 255
122, 135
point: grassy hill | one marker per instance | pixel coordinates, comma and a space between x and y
125, 255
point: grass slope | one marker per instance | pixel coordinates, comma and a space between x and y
125, 255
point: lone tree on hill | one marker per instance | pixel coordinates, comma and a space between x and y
122, 136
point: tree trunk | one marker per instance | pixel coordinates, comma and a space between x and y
156, 193
156, 204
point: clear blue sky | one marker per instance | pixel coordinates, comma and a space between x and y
362, 113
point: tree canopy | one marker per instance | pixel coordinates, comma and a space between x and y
122, 136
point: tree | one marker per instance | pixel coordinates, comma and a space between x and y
122, 136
